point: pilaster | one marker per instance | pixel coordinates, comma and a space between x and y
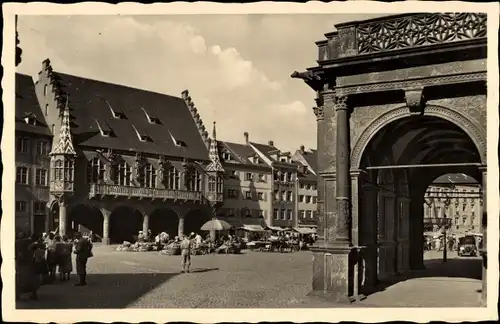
106, 214
180, 230
62, 215
145, 224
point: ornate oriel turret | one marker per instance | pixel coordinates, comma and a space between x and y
62, 160
215, 173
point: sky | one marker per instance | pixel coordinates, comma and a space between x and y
236, 67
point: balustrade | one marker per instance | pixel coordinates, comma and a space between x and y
141, 192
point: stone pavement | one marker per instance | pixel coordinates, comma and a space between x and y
249, 280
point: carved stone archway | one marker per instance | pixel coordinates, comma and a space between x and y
458, 119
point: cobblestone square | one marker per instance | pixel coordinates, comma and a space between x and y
251, 279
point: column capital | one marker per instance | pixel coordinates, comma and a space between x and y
319, 112
341, 103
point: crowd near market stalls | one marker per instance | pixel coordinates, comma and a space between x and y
218, 236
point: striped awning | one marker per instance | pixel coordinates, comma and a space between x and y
252, 228
304, 230
275, 228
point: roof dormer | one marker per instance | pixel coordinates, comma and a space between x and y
116, 113
30, 119
177, 142
152, 118
104, 128
142, 135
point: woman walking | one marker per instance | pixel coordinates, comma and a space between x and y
65, 262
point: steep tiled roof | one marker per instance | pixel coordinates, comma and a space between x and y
27, 105
312, 159
458, 178
92, 102
267, 151
65, 143
241, 153
215, 165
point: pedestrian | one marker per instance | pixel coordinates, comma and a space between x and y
65, 262
51, 255
186, 246
83, 251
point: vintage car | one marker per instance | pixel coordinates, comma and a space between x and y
467, 246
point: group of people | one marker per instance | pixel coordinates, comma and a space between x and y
39, 257
438, 243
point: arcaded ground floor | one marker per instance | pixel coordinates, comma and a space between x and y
252, 279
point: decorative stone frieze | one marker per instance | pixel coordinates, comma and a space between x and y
419, 30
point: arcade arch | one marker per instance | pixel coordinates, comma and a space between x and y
125, 223
86, 215
402, 155
164, 220
194, 220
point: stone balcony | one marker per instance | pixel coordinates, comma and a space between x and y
103, 190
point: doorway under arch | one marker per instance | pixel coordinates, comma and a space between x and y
194, 220
88, 216
165, 220
401, 159
125, 224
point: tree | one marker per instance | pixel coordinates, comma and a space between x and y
19, 51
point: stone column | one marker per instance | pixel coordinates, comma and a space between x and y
333, 264
180, 230
320, 119
62, 216
145, 224
342, 173
106, 214
484, 227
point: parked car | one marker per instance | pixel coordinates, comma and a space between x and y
467, 246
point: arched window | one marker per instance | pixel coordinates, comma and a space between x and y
212, 184
194, 181
68, 170
147, 176
124, 174
173, 177
95, 170
58, 170
219, 184
45, 90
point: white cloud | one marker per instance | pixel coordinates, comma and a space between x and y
170, 55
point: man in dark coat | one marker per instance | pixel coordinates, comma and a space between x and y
83, 251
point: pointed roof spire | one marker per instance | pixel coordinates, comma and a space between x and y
215, 165
65, 143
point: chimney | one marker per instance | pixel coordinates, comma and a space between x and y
302, 149
270, 143
246, 138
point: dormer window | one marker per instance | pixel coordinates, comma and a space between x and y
151, 118
226, 156
30, 120
142, 135
177, 142
104, 128
256, 160
117, 114
283, 159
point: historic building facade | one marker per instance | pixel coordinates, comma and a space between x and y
247, 186
125, 159
307, 192
284, 183
400, 101
33, 141
456, 197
